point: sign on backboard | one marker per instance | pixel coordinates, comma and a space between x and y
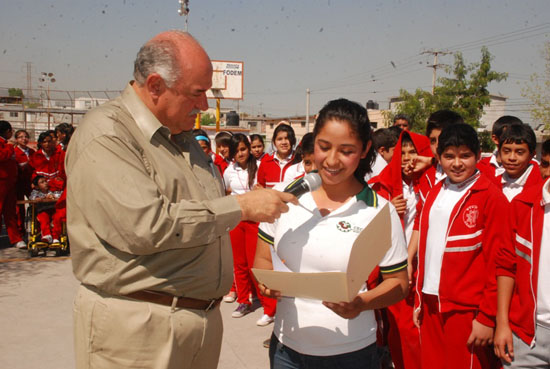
227, 80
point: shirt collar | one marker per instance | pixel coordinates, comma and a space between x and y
517, 182
460, 186
144, 118
368, 196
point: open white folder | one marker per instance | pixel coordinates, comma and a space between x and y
366, 253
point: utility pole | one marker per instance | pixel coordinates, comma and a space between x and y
308, 92
184, 10
435, 65
29, 80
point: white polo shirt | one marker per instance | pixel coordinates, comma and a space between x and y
543, 292
511, 187
309, 242
293, 172
236, 178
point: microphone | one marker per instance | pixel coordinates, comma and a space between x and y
307, 183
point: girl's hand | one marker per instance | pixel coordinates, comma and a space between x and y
347, 310
269, 292
504, 346
481, 334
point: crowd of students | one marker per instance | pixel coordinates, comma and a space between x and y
26, 173
476, 231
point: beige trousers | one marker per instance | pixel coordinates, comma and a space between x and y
117, 332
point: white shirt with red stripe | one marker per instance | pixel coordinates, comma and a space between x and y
440, 214
543, 289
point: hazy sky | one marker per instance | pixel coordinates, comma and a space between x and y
335, 48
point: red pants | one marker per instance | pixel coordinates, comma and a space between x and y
443, 338
403, 336
22, 189
47, 216
8, 202
243, 241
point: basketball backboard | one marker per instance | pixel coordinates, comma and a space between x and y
227, 80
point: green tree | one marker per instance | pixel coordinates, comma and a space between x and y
13, 92
538, 91
465, 92
207, 119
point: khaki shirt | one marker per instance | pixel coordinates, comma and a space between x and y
146, 210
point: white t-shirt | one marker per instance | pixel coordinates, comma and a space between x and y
379, 164
511, 187
309, 242
410, 213
543, 292
440, 214
293, 172
236, 178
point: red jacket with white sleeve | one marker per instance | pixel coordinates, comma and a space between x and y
478, 226
8, 165
270, 172
52, 168
521, 260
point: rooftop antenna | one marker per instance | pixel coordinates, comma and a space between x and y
184, 10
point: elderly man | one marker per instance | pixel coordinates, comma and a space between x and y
148, 222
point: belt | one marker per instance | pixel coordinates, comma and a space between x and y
174, 301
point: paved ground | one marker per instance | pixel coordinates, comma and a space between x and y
36, 317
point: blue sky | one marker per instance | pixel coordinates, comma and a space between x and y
335, 48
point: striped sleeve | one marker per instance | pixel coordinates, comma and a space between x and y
264, 236
394, 268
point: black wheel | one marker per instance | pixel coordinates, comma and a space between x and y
33, 250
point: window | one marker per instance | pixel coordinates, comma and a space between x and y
374, 125
14, 114
303, 124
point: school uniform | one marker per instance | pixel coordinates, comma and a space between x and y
219, 162
403, 338
51, 167
461, 226
379, 164
294, 171
23, 186
272, 170
527, 260
244, 238
8, 199
310, 242
512, 187
46, 214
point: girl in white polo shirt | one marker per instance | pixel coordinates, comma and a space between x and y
239, 178
317, 235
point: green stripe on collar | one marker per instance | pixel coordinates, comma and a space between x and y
368, 196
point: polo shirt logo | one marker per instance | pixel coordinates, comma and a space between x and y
470, 216
343, 226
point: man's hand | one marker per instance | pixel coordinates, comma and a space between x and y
262, 205
481, 334
347, 310
400, 204
504, 346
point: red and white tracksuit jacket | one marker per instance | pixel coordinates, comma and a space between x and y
270, 172
521, 260
533, 179
51, 168
477, 228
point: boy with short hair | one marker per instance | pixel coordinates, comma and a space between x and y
522, 335
460, 227
545, 160
46, 211
305, 164
492, 165
402, 190
516, 150
383, 142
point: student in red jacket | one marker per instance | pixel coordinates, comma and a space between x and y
402, 190
522, 337
204, 142
460, 227
48, 161
272, 170
8, 178
257, 147
23, 186
63, 133
516, 150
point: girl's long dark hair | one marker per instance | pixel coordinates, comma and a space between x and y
357, 118
251, 165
